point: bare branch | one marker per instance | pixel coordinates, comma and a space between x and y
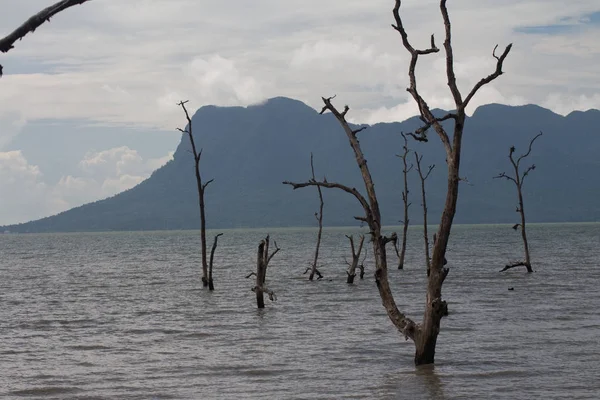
450, 56
7, 43
250, 274
491, 77
428, 118
503, 175
529, 150
331, 185
207, 183
362, 128
273, 253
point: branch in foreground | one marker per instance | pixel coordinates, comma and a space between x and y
332, 185
35, 22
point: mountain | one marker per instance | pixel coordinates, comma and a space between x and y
249, 151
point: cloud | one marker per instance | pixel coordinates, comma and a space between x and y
129, 63
11, 124
25, 196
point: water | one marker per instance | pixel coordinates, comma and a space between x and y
123, 316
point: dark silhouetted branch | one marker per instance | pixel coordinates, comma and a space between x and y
8, 42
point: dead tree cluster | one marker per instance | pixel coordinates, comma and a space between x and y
8, 42
518, 179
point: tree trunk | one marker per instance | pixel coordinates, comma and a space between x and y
261, 272
423, 178
405, 222
211, 285
355, 259
319, 217
205, 280
518, 180
262, 262
523, 231
201, 187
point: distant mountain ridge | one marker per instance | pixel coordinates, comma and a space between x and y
249, 151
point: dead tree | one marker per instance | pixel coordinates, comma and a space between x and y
210, 264
201, 188
35, 22
319, 217
355, 259
361, 266
424, 334
400, 253
423, 178
262, 262
518, 180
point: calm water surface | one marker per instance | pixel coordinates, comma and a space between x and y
124, 316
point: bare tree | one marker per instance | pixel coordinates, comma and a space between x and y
34, 22
406, 169
201, 188
423, 178
262, 262
355, 259
319, 216
211, 286
424, 334
518, 180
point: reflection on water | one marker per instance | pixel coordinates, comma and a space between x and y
122, 315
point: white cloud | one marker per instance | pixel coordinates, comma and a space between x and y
11, 123
101, 174
129, 63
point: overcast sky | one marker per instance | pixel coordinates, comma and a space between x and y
121, 66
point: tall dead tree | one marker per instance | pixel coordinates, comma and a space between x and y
262, 262
201, 188
518, 180
355, 259
319, 216
423, 178
424, 334
405, 170
8, 42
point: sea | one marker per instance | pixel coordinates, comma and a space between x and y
123, 315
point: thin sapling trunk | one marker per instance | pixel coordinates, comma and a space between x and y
319, 217
405, 170
423, 178
211, 286
518, 180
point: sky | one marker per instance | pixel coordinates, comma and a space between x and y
88, 101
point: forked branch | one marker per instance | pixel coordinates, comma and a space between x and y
490, 77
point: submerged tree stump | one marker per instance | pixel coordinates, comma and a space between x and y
262, 262
355, 260
211, 285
